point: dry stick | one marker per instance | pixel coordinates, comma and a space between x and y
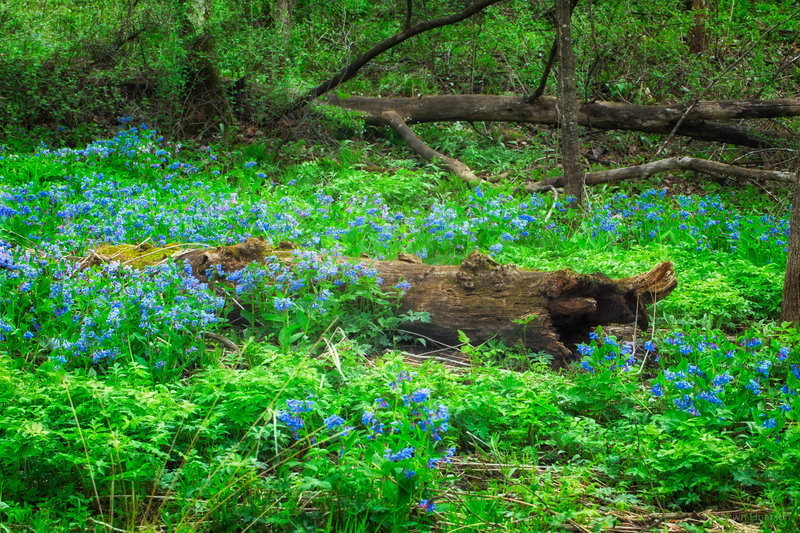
426, 152
227, 343
85, 451
719, 76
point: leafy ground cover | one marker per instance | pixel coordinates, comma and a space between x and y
120, 412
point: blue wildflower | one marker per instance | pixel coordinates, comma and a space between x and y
334, 421
282, 304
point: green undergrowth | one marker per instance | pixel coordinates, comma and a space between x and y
125, 406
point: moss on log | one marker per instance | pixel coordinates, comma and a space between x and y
546, 311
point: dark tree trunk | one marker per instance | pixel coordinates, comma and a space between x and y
790, 307
568, 105
698, 38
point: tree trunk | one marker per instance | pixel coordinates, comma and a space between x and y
205, 104
544, 311
600, 115
698, 38
790, 306
568, 105
283, 16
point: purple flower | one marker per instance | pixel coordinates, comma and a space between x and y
427, 505
403, 286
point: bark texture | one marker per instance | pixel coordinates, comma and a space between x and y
568, 105
700, 121
544, 311
790, 306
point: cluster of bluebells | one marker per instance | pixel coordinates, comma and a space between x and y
406, 430
90, 316
730, 381
151, 191
607, 354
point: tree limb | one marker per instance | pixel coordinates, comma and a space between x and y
699, 121
353, 67
665, 165
426, 152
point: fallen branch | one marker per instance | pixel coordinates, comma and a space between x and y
354, 66
426, 152
699, 121
665, 165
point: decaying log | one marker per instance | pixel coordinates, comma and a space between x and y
699, 122
544, 311
705, 166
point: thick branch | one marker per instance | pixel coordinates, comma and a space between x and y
352, 68
665, 165
426, 152
601, 115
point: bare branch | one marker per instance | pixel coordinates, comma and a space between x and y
665, 165
352, 68
426, 152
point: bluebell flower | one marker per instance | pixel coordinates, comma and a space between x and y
427, 505
754, 386
405, 453
334, 421
783, 353
769, 423
585, 349
763, 367
282, 304
403, 286
420, 395
657, 390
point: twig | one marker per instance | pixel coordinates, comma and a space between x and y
227, 343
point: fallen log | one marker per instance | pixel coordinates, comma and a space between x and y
713, 168
699, 122
544, 311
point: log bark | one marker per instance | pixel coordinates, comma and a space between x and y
544, 311
704, 166
701, 121
790, 305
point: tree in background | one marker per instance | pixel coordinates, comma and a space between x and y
790, 306
568, 103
